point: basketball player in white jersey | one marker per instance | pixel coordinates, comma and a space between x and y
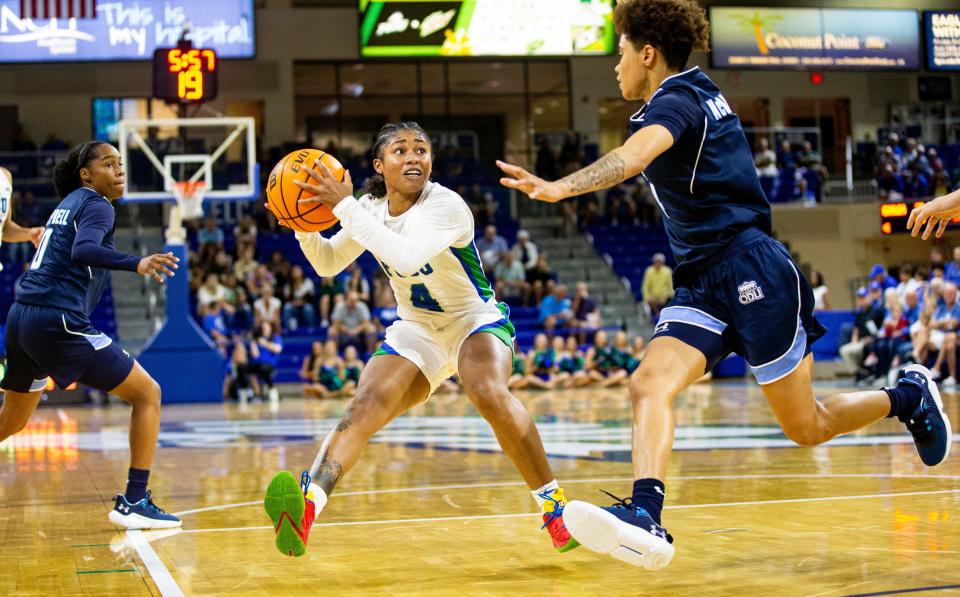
450, 322
13, 232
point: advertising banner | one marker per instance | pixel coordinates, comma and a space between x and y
128, 30
814, 38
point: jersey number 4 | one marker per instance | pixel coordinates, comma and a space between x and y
422, 299
41, 248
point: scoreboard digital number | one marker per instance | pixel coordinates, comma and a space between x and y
185, 75
894, 216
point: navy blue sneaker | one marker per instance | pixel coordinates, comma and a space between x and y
141, 515
625, 531
928, 423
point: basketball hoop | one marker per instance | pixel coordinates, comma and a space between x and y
189, 195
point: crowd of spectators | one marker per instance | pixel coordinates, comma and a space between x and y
909, 170
793, 171
910, 314
568, 363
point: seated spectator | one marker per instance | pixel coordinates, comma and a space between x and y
765, 159
266, 309
351, 324
546, 166
220, 264
54, 143
210, 239
625, 352
556, 310
638, 347
482, 205
541, 365
245, 265
908, 280
245, 234
621, 206
518, 377
298, 301
951, 272
540, 279
258, 279
311, 361
878, 274
586, 313
352, 367
865, 328
510, 277
648, 212
525, 251
889, 184
895, 331
330, 293
212, 291
214, 324
241, 384
354, 281
572, 364
786, 158
280, 269
657, 285
491, 246
241, 321
604, 364
943, 334
28, 212
264, 355
327, 376
384, 310
821, 296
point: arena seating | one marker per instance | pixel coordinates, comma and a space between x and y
631, 249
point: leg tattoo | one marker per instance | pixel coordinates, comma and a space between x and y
346, 420
328, 475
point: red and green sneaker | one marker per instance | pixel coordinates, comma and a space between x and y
553, 521
291, 507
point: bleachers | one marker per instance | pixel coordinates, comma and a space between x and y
631, 249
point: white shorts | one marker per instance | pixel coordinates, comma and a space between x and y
436, 350
936, 338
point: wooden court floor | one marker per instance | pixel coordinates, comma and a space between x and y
435, 509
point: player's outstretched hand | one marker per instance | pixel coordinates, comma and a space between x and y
325, 188
36, 234
935, 214
535, 187
158, 265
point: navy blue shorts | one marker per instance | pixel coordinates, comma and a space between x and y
48, 342
754, 302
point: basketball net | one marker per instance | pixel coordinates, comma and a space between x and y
189, 195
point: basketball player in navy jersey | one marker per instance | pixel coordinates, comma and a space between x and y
737, 289
49, 331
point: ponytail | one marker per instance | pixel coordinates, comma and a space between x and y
66, 174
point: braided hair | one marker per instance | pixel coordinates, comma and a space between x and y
66, 174
375, 185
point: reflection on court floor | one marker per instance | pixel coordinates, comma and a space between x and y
434, 508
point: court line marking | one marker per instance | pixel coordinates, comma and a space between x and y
594, 480
913, 590
531, 514
154, 565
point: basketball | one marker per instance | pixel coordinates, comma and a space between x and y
283, 195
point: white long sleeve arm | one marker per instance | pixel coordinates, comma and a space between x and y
435, 229
329, 257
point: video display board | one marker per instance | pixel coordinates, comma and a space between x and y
814, 38
941, 30
128, 30
459, 28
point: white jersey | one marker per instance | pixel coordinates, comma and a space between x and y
428, 253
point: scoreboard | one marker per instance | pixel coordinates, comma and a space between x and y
185, 75
894, 216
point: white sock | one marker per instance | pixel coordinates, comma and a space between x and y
319, 498
546, 489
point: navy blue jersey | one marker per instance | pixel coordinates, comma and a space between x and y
69, 270
706, 183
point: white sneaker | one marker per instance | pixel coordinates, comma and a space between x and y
949, 383
635, 538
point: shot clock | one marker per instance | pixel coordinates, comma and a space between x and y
185, 75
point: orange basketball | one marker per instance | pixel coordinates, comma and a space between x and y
283, 196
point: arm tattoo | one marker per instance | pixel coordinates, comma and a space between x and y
605, 172
328, 475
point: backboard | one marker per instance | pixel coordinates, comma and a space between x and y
158, 153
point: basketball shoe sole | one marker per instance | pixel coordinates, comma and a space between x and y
285, 504
602, 532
